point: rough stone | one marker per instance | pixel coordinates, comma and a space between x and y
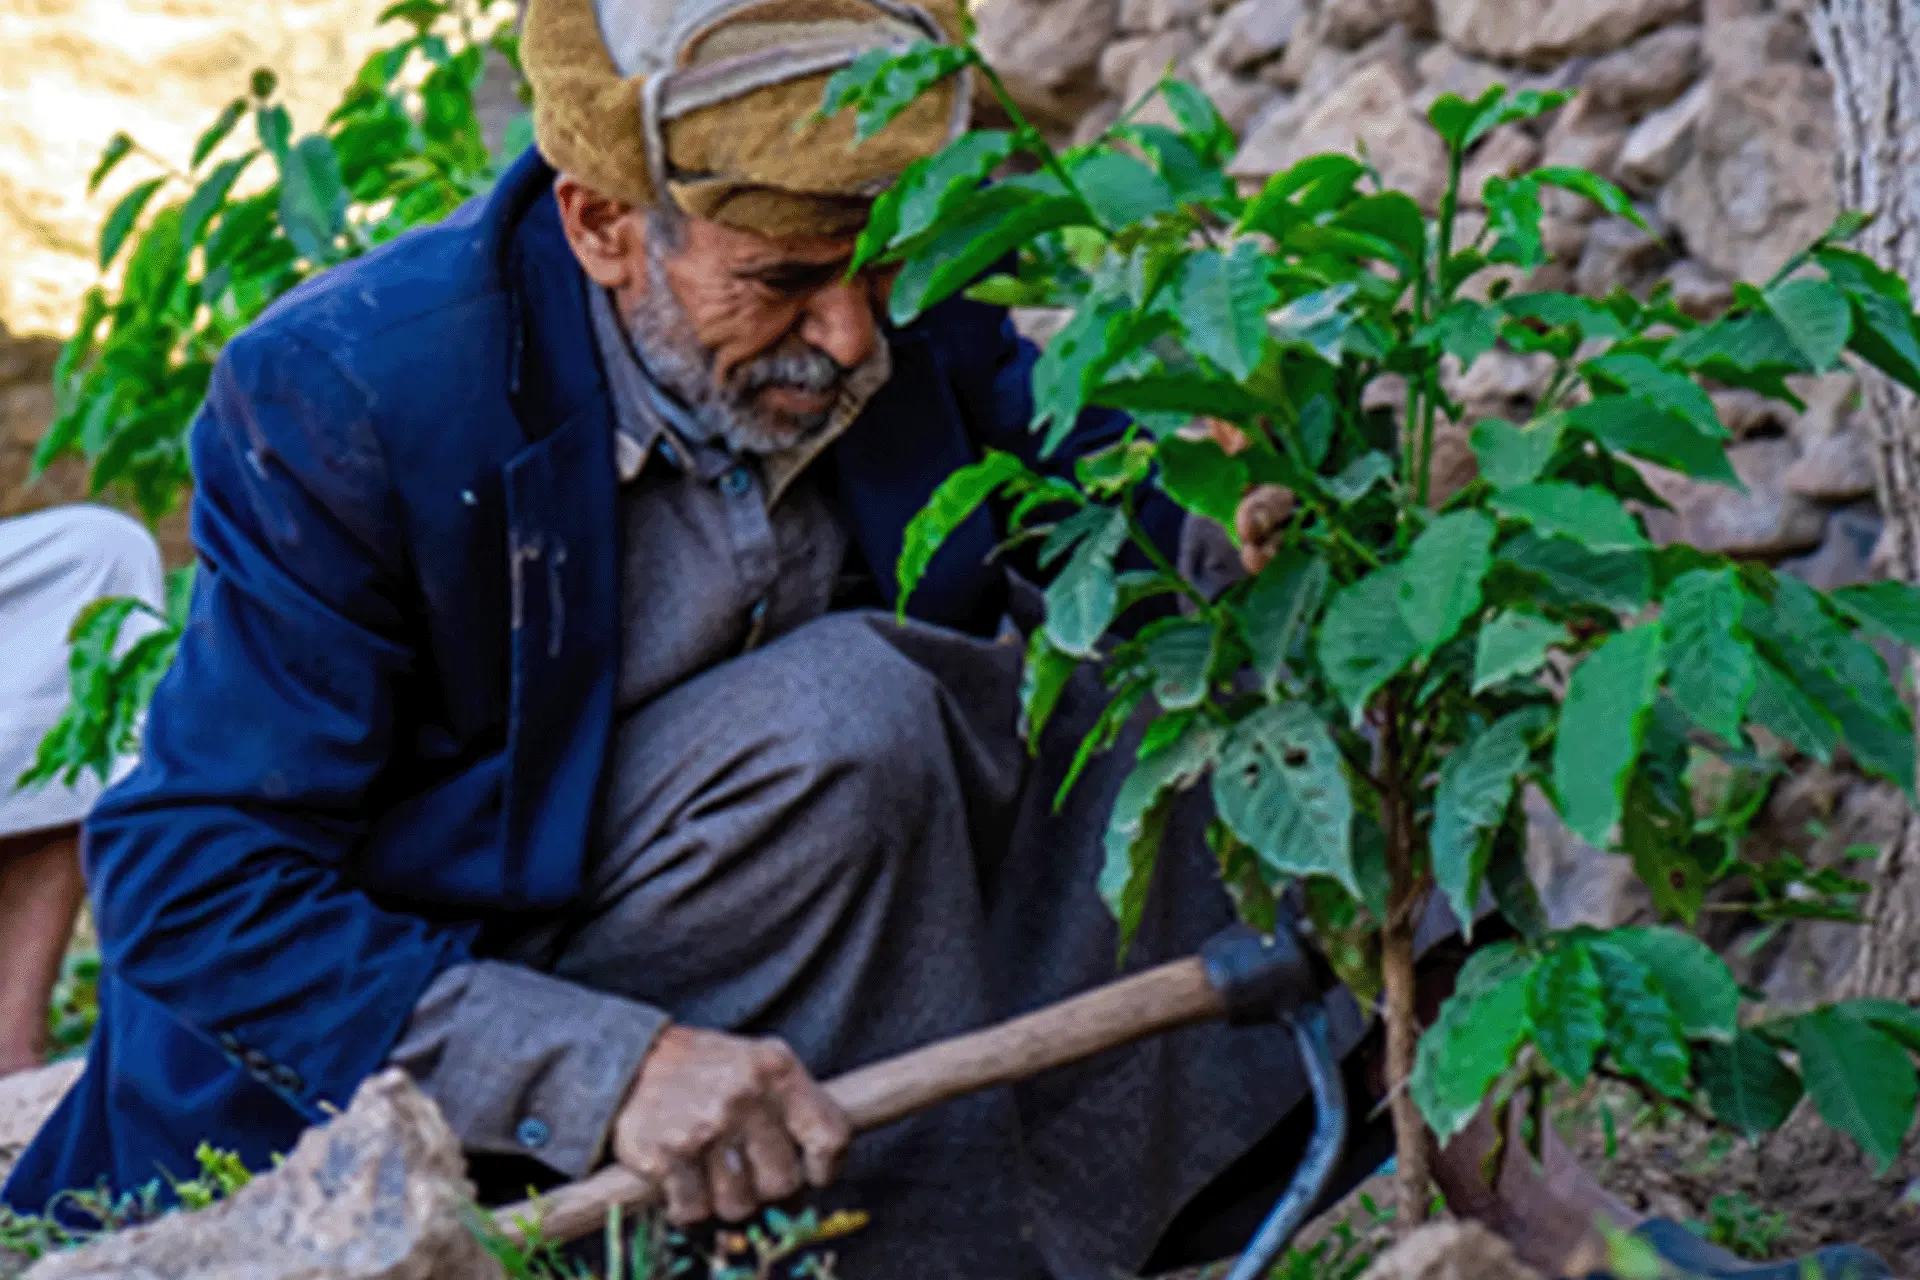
1581, 138
1254, 31
1845, 555
1833, 468
1750, 415
1443, 69
1132, 65
1649, 73
1507, 152
27, 1098
1767, 520
1047, 51
1578, 883
1539, 32
1351, 23
1450, 1251
1239, 99
1698, 289
1371, 106
1159, 15
1501, 384
374, 1195
1620, 254
1760, 181
1661, 143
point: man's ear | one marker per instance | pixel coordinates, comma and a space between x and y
608, 236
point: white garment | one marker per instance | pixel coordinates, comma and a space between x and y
52, 565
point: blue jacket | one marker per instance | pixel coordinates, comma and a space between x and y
383, 738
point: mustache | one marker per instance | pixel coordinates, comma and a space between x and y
804, 368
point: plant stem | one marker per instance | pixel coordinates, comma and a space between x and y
1412, 1178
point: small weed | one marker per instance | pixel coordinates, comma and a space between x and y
1737, 1224
778, 1246
75, 1006
28, 1236
1344, 1253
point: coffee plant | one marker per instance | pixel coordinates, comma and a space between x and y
1368, 709
200, 252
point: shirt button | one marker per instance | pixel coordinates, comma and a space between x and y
736, 482
287, 1080
667, 454
533, 1132
759, 613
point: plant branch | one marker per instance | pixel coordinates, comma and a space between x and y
1411, 1148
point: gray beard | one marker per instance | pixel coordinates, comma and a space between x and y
663, 335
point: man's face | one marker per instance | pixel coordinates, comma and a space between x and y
758, 336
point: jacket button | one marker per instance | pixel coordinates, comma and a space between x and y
736, 481
230, 1045
533, 1132
288, 1080
257, 1063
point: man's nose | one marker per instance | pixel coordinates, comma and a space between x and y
839, 321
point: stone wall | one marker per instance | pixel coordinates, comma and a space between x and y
1714, 114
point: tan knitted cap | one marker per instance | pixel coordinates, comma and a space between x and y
707, 102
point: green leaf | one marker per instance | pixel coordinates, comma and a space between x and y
1391, 216
1114, 469
1781, 709
1658, 386
1568, 1011
1627, 424
1618, 580
1861, 1079
1043, 679
950, 174
1364, 642
1359, 477
1513, 218
118, 148
313, 201
974, 236
216, 133
1602, 723
1472, 1043
1075, 362
274, 127
1695, 981
1510, 455
1317, 321
1513, 644
1891, 608
1565, 310
1749, 1088
1476, 786
1280, 786
1312, 186
1121, 190
1180, 655
1887, 337
1202, 124
1200, 476
1083, 598
1440, 579
119, 223
1592, 186
1139, 820
1710, 668
1591, 517
209, 196
1224, 300
1816, 316
957, 498
1278, 610
1745, 344
1466, 330
881, 83
1188, 394
1643, 1035
1453, 117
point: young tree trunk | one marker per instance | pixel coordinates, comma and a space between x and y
1413, 1179
1872, 50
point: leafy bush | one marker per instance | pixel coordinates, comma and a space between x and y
1368, 708
200, 253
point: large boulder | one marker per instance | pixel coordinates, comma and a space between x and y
1048, 52
1371, 107
376, 1194
1450, 1251
27, 1098
1759, 185
1541, 32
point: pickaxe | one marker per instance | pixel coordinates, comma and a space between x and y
1239, 975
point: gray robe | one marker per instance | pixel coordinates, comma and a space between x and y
823, 825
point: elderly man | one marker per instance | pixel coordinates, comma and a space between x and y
541, 726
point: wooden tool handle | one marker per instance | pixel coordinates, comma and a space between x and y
1122, 1012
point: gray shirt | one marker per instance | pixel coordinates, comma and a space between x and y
718, 555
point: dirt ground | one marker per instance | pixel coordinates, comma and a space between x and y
1819, 1184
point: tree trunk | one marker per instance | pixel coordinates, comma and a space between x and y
1872, 50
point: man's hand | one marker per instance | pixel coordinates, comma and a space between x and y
1264, 510
724, 1124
